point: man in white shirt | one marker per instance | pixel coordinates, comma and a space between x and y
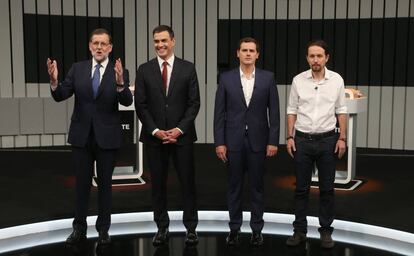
246, 130
316, 103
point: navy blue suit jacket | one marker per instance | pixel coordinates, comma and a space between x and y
232, 115
100, 114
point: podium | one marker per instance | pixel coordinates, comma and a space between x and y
129, 160
345, 178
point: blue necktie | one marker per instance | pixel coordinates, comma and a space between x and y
96, 79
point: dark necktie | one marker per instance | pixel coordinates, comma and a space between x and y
96, 79
164, 76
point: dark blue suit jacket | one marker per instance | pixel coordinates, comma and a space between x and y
100, 114
232, 116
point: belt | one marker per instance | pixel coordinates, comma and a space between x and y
314, 136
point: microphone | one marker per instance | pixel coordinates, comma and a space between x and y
316, 88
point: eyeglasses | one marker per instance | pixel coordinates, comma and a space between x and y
97, 44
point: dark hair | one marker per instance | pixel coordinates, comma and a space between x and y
162, 28
100, 31
319, 43
249, 40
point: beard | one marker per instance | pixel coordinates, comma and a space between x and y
316, 68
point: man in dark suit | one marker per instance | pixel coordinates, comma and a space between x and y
246, 130
167, 101
95, 130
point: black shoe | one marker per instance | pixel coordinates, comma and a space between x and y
161, 237
296, 239
77, 236
256, 239
191, 237
326, 240
233, 238
104, 239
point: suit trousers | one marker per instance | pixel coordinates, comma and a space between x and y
308, 153
84, 158
240, 162
183, 160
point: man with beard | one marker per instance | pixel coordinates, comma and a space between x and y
167, 101
316, 103
95, 130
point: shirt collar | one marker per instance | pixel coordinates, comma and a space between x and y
103, 63
242, 75
170, 61
328, 74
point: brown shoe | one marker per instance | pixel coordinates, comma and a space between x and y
326, 240
296, 239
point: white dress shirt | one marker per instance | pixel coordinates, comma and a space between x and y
315, 103
248, 85
104, 64
170, 62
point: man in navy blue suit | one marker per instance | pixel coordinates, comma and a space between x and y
246, 131
95, 130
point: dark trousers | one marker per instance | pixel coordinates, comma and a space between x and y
183, 160
240, 162
308, 153
84, 158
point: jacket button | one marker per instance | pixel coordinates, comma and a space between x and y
166, 105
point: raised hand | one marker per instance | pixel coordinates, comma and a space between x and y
119, 72
53, 71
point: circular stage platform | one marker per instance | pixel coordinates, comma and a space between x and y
132, 233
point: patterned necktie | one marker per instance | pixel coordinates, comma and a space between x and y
96, 79
164, 76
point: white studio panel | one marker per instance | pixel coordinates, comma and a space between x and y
42, 7
378, 9
409, 120
374, 93
223, 9
211, 63
259, 9
200, 64
46, 140
246, 9
341, 9
270, 10
235, 9
59, 140
293, 11
390, 9
33, 140
130, 38
362, 122
188, 31
317, 9
105, 8
143, 47
398, 114
281, 6
365, 9
5, 60
177, 26
118, 8
93, 8
353, 9
7, 141
386, 117
80, 7
305, 10
165, 12
329, 12
281, 89
153, 21
20, 141
19, 84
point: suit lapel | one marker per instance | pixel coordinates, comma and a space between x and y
157, 75
174, 74
257, 82
239, 86
87, 76
107, 77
